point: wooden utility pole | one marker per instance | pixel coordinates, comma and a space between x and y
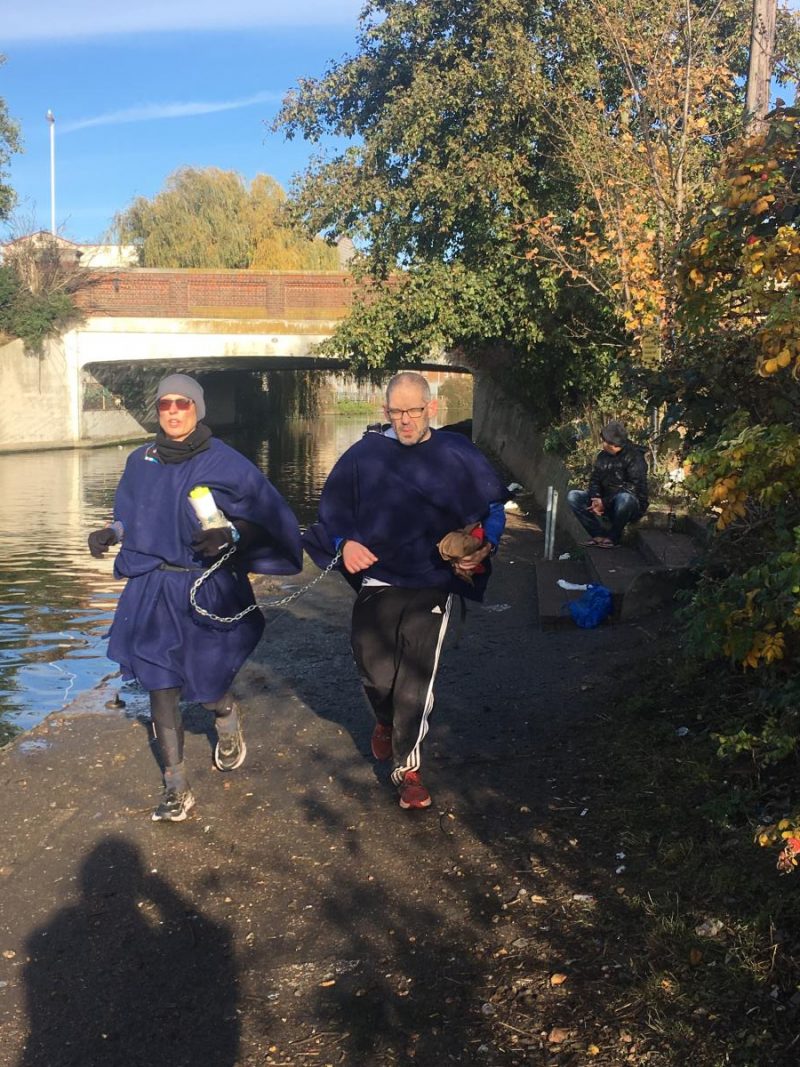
759, 72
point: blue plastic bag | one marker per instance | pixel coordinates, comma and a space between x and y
592, 607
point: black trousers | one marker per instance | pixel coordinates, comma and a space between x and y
397, 637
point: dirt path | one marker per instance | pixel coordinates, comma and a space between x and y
300, 917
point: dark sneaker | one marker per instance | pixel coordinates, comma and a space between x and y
382, 742
175, 805
413, 793
230, 750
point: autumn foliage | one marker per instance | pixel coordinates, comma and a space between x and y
641, 134
739, 285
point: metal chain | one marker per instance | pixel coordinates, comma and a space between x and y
252, 607
299, 592
207, 574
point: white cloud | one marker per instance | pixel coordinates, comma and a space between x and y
56, 20
151, 112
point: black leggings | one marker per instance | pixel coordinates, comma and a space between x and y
165, 710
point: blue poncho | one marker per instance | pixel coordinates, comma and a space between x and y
400, 501
156, 637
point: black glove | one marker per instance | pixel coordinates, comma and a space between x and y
250, 535
211, 542
101, 540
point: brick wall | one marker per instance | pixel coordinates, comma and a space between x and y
217, 294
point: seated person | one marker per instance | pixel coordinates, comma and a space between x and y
617, 491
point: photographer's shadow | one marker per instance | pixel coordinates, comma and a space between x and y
130, 975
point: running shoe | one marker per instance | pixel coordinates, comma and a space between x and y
382, 742
413, 793
175, 805
230, 749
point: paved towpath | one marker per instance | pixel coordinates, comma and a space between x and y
299, 916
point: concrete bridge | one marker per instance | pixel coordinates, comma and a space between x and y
141, 323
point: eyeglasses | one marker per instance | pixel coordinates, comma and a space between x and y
413, 413
166, 403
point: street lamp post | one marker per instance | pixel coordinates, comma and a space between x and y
52, 120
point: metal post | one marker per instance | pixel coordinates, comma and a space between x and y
550, 522
52, 120
553, 513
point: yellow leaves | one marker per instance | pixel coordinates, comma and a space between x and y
766, 648
761, 205
780, 348
775, 833
723, 489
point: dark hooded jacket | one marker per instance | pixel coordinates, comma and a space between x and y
624, 472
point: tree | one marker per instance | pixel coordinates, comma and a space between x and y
739, 286
38, 280
9, 144
211, 218
526, 171
640, 131
443, 103
275, 242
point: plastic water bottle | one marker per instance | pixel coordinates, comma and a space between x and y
205, 508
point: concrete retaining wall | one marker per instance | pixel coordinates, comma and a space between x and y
507, 430
33, 411
40, 403
116, 425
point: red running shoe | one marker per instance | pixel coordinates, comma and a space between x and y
382, 742
413, 793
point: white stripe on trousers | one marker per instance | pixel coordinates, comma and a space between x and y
414, 759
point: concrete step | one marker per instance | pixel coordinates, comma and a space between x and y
643, 576
639, 586
668, 549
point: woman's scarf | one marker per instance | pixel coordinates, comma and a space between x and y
170, 451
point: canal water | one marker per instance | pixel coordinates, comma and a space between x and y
56, 601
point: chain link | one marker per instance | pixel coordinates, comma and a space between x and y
252, 607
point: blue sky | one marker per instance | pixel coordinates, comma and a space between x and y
139, 91
143, 89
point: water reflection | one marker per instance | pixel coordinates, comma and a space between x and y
56, 602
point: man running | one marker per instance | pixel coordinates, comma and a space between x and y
386, 505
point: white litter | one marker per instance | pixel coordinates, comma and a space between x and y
565, 555
511, 505
563, 584
710, 928
514, 487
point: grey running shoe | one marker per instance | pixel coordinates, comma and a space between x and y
175, 805
230, 750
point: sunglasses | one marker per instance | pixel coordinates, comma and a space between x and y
167, 403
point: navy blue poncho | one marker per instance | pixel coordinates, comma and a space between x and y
156, 637
400, 501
